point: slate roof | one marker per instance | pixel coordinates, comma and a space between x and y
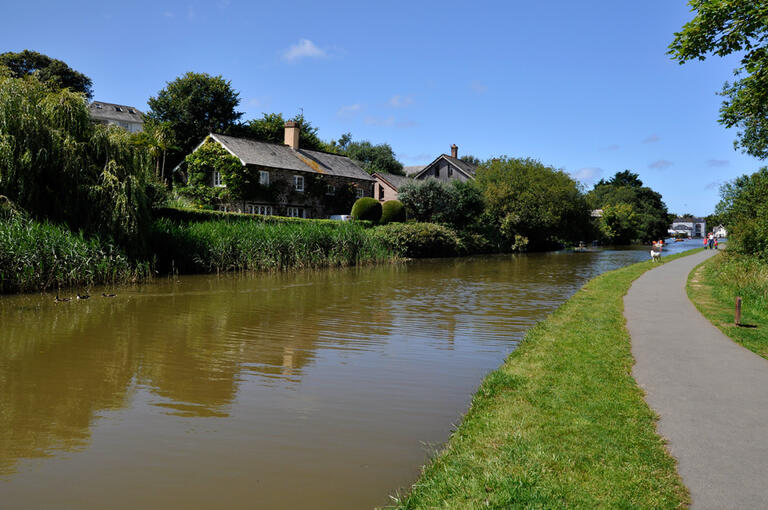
393, 180
689, 219
412, 170
100, 110
272, 155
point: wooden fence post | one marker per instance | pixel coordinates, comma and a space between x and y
738, 311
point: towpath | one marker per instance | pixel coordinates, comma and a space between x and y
711, 394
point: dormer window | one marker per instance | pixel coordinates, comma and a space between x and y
117, 108
130, 110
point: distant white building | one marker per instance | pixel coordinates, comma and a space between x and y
127, 117
693, 227
720, 231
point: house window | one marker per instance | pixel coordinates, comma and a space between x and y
437, 171
217, 182
381, 192
298, 182
264, 210
359, 193
330, 189
263, 178
117, 108
250, 208
295, 212
450, 171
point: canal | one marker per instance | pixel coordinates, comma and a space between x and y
323, 390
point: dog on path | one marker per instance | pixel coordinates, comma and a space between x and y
655, 255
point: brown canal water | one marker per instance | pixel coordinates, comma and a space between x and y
323, 390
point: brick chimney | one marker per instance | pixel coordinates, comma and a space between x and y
454, 151
292, 134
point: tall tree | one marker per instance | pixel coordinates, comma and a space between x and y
48, 70
271, 128
195, 105
373, 158
723, 27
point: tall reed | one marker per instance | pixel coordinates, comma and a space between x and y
41, 255
213, 246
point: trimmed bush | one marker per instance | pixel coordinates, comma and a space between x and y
419, 239
392, 211
367, 208
190, 215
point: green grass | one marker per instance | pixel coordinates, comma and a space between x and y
220, 245
40, 255
713, 286
562, 423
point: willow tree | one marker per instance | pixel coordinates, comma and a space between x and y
56, 164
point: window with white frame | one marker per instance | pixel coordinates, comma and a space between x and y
330, 189
263, 178
298, 182
217, 182
250, 208
359, 192
264, 210
295, 212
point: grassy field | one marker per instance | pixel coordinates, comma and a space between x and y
713, 287
561, 424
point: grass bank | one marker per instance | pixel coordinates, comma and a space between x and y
40, 255
713, 286
562, 423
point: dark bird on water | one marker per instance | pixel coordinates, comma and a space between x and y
84, 296
57, 299
108, 295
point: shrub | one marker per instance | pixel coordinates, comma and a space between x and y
419, 239
392, 211
367, 208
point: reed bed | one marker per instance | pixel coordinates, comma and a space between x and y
216, 246
37, 256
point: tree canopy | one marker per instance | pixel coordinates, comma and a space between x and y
529, 202
743, 209
631, 211
271, 128
48, 70
195, 105
723, 27
372, 158
56, 164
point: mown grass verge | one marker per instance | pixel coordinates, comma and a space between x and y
562, 423
40, 255
713, 286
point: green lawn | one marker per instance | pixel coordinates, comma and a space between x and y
713, 287
562, 423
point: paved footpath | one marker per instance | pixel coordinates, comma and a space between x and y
711, 393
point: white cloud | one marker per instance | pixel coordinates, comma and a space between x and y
405, 124
379, 121
398, 101
478, 87
587, 174
718, 162
660, 164
651, 139
349, 110
303, 49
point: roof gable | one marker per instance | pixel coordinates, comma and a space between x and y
118, 112
465, 168
392, 180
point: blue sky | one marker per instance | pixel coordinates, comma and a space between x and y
583, 86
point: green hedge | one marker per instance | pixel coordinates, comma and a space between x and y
367, 208
392, 211
419, 240
189, 215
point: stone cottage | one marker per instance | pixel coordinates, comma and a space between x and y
293, 181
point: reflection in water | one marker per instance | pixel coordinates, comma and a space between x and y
269, 391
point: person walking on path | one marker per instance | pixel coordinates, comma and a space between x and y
710, 393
